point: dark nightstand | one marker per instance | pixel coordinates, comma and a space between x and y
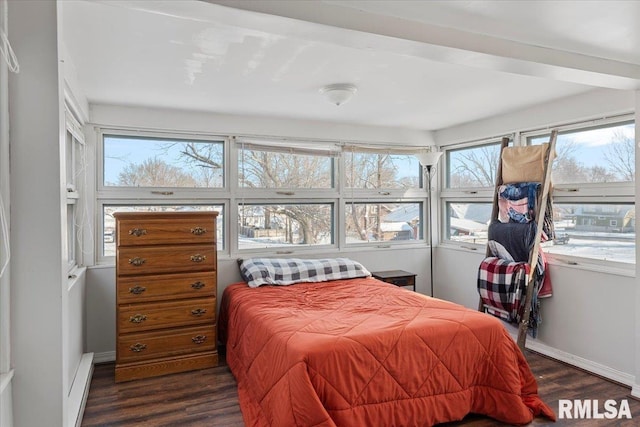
396, 277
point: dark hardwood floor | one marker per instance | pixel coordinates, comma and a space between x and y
209, 398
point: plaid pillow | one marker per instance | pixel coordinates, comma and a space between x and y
287, 271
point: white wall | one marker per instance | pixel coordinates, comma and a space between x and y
37, 274
158, 119
46, 336
591, 105
590, 320
6, 413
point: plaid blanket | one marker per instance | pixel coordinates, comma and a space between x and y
287, 271
501, 286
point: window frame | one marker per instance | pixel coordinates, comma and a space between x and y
147, 193
383, 195
174, 196
464, 195
75, 192
232, 195
575, 193
422, 232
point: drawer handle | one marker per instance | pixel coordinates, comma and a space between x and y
137, 290
198, 311
138, 318
198, 258
197, 285
137, 261
138, 347
137, 232
198, 231
199, 339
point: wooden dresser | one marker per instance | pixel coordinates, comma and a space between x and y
166, 283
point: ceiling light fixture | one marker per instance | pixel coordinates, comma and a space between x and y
339, 93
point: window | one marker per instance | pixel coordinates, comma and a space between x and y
381, 170
384, 198
583, 231
75, 166
147, 172
594, 197
383, 222
468, 222
131, 161
263, 168
285, 225
470, 172
600, 154
472, 167
287, 194
594, 176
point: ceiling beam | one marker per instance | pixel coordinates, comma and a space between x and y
361, 29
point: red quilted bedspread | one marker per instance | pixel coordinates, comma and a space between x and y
361, 352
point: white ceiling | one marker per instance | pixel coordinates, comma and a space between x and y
417, 64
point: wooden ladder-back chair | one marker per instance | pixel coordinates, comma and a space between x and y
541, 207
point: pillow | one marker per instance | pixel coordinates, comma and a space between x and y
287, 271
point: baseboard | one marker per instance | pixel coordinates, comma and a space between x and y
635, 391
6, 403
104, 357
80, 390
579, 362
5, 380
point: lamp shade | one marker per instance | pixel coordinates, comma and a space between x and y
428, 157
339, 93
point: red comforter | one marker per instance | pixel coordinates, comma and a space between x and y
361, 352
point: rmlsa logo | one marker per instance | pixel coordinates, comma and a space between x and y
591, 409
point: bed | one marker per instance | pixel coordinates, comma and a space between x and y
362, 352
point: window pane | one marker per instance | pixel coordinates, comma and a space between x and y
155, 162
599, 231
69, 151
109, 222
473, 167
468, 222
374, 170
602, 154
271, 225
383, 222
266, 169
71, 234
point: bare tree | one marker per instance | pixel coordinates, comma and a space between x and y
476, 167
372, 171
620, 156
154, 172
205, 159
265, 169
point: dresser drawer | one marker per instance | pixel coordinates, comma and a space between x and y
165, 259
143, 231
144, 317
165, 286
133, 347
